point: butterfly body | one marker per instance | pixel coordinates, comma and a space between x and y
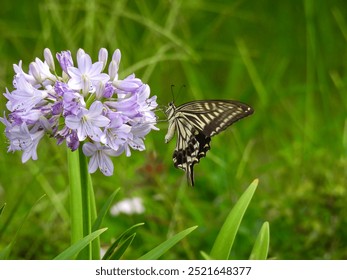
195, 123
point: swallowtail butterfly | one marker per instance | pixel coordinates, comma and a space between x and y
195, 123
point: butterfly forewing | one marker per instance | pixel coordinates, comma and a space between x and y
214, 116
195, 123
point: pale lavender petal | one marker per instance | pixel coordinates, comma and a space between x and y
72, 122
106, 165
84, 62
93, 164
96, 108
125, 86
101, 121
92, 131
95, 69
89, 149
30, 150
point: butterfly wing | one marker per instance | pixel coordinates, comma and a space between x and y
195, 123
191, 145
213, 116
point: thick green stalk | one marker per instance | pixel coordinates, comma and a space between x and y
85, 191
76, 208
82, 201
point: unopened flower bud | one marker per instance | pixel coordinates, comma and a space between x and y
103, 55
49, 59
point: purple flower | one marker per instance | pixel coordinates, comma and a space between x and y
73, 103
19, 72
70, 136
25, 97
28, 117
86, 76
88, 122
65, 60
99, 158
116, 133
22, 139
83, 106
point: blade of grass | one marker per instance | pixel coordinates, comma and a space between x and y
205, 255
118, 253
119, 240
158, 251
104, 210
75, 248
253, 72
225, 239
261, 245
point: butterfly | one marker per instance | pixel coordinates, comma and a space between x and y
195, 123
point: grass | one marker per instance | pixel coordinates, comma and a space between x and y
287, 59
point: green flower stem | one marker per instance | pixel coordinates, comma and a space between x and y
85, 191
76, 208
83, 210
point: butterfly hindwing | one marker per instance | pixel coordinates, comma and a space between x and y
191, 145
195, 123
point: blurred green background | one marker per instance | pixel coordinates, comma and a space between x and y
287, 59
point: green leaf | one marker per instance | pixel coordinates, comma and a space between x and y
121, 248
225, 239
75, 248
110, 251
205, 255
261, 245
104, 210
158, 251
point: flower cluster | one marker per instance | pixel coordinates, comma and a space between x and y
82, 105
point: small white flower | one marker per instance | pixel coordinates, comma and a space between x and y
128, 206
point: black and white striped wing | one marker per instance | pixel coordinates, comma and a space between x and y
195, 123
213, 116
191, 146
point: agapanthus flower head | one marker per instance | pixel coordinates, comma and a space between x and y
81, 105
